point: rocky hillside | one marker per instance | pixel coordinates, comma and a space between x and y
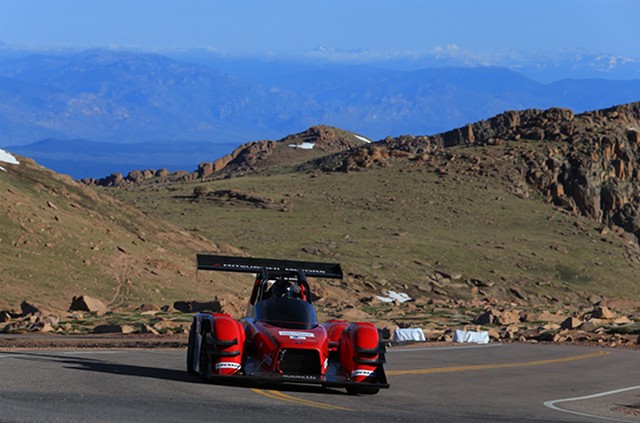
314, 142
60, 239
585, 163
487, 224
317, 141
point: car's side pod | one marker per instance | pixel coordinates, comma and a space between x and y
222, 342
361, 353
334, 330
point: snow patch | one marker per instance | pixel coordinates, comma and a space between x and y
303, 146
391, 296
367, 140
6, 157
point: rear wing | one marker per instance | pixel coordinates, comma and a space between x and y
272, 267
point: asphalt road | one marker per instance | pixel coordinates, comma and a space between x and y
492, 383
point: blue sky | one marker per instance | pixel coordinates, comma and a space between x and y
279, 27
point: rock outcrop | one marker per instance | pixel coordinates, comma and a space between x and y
87, 303
586, 163
321, 140
316, 141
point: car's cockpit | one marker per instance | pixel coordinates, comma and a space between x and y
281, 295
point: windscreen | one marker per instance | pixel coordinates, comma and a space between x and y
288, 313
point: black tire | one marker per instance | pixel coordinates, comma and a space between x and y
191, 350
205, 359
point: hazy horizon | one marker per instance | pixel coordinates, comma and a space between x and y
331, 29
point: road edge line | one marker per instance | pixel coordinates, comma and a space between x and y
552, 403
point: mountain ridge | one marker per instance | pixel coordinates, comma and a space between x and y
315, 142
589, 165
116, 96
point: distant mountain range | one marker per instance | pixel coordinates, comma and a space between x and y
110, 96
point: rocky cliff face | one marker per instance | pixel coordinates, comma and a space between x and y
317, 141
588, 163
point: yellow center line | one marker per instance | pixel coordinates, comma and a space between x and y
495, 366
284, 397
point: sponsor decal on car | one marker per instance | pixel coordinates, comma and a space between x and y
360, 372
227, 365
296, 335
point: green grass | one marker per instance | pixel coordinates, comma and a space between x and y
59, 239
380, 222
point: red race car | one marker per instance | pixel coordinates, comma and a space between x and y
280, 339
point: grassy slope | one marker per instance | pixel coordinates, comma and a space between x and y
402, 222
59, 239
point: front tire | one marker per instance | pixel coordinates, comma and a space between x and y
205, 359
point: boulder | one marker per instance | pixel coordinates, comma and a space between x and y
484, 318
508, 317
195, 306
49, 320
432, 334
146, 329
546, 317
16, 327
622, 320
518, 293
5, 316
102, 329
28, 308
205, 169
168, 309
603, 312
87, 303
571, 323
494, 334
589, 326
505, 318
135, 176
43, 327
551, 326
510, 332
148, 310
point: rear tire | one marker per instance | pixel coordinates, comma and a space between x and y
191, 350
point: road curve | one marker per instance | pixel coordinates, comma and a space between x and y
492, 383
